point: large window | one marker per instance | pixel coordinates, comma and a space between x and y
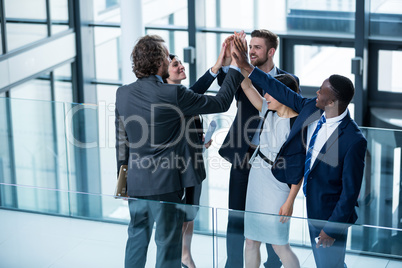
107, 53
59, 15
389, 71
1, 36
313, 64
106, 10
63, 87
317, 40
29, 21
386, 18
321, 16
162, 12
25, 25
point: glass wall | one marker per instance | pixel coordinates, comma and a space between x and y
162, 12
25, 25
389, 70
313, 64
107, 140
106, 11
385, 19
321, 16
107, 53
51, 145
1, 36
59, 15
63, 87
6, 162
28, 22
321, 43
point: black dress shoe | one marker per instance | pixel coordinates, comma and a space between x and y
183, 265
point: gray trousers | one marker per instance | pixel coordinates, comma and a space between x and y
168, 233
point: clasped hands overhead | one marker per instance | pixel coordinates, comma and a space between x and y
237, 50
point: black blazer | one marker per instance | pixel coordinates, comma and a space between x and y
244, 126
195, 130
150, 132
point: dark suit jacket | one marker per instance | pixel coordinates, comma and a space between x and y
336, 176
195, 130
150, 132
244, 126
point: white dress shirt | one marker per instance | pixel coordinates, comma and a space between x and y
323, 134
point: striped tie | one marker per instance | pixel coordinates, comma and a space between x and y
310, 151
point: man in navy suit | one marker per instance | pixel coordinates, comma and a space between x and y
327, 148
240, 144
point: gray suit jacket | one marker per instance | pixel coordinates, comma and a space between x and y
151, 132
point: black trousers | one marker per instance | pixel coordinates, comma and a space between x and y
168, 233
235, 229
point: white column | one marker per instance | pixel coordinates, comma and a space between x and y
131, 29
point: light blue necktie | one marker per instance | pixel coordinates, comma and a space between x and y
307, 163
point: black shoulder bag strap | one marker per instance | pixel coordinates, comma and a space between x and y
259, 152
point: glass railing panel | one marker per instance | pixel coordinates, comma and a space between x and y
82, 142
51, 241
363, 249
33, 151
380, 195
59, 146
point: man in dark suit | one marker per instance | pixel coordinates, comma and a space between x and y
151, 140
240, 144
332, 162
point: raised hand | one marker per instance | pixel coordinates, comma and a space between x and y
239, 52
221, 59
228, 51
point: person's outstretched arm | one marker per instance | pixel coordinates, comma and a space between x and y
264, 81
205, 81
252, 94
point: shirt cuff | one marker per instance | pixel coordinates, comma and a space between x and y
212, 73
225, 69
234, 67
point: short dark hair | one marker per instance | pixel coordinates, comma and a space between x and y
343, 89
172, 56
147, 55
271, 39
289, 81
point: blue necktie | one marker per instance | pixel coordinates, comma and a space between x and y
307, 163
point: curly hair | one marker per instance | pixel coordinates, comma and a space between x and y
147, 55
271, 39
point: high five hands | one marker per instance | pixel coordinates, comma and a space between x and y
225, 56
239, 52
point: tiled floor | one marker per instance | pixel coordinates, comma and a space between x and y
34, 240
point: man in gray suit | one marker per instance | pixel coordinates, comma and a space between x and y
151, 138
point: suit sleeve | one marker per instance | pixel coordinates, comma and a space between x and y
221, 77
267, 84
203, 83
352, 177
191, 103
122, 151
